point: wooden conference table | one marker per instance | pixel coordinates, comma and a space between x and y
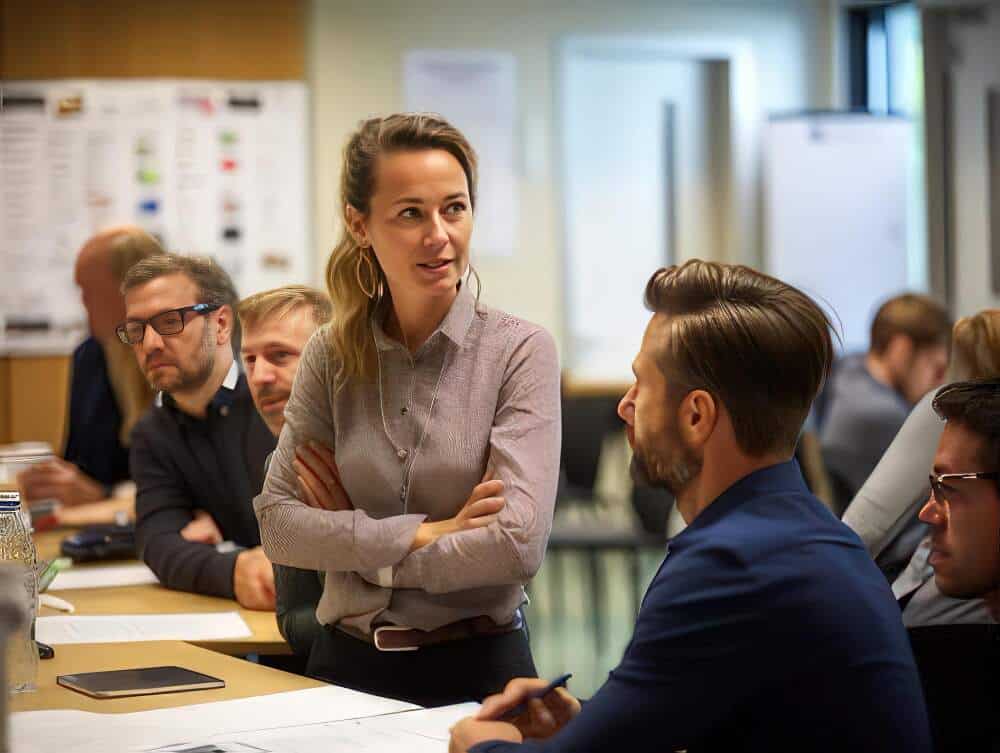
155, 599
243, 678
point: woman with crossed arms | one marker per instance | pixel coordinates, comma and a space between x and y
418, 463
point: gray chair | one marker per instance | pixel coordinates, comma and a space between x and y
586, 423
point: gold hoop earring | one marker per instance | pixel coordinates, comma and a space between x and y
479, 283
372, 275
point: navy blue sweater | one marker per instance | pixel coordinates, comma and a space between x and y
94, 419
767, 628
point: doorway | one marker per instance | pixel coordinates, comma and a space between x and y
646, 166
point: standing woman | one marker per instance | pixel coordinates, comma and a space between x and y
431, 508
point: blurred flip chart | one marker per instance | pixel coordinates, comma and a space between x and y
208, 167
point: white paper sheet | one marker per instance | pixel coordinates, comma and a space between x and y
430, 723
345, 737
421, 731
84, 732
71, 731
124, 628
135, 574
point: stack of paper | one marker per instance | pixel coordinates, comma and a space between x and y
292, 714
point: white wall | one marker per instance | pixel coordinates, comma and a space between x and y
975, 69
614, 135
355, 71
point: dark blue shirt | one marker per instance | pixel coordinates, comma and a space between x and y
95, 421
767, 628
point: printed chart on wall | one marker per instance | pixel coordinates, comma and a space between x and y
208, 167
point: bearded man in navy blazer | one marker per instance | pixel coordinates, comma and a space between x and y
767, 627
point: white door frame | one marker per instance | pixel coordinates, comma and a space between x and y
742, 236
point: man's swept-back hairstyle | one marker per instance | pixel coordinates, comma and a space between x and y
975, 404
760, 346
918, 317
213, 282
279, 302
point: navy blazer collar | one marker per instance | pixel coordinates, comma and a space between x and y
782, 477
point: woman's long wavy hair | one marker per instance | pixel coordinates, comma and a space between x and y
350, 336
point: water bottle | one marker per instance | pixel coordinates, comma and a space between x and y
17, 551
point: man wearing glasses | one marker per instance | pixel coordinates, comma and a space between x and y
198, 456
958, 651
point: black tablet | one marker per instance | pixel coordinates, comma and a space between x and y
143, 681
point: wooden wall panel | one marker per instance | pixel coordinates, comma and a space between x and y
239, 39
5, 394
35, 390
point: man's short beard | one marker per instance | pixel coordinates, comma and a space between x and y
193, 378
672, 470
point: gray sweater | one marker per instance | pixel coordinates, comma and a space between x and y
862, 418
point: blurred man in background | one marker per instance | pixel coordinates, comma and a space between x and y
108, 392
869, 396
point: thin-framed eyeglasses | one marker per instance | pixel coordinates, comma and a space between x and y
169, 322
938, 481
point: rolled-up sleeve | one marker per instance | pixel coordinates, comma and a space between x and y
294, 534
524, 453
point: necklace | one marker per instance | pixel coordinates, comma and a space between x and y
408, 458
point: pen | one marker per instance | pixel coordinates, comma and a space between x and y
559, 682
48, 600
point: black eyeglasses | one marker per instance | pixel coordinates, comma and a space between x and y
170, 322
937, 488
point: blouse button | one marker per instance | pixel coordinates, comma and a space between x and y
401, 454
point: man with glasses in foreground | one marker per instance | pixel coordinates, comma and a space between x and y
197, 457
958, 653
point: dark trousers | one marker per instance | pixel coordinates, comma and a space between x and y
438, 675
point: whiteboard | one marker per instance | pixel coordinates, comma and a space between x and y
837, 211
210, 167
